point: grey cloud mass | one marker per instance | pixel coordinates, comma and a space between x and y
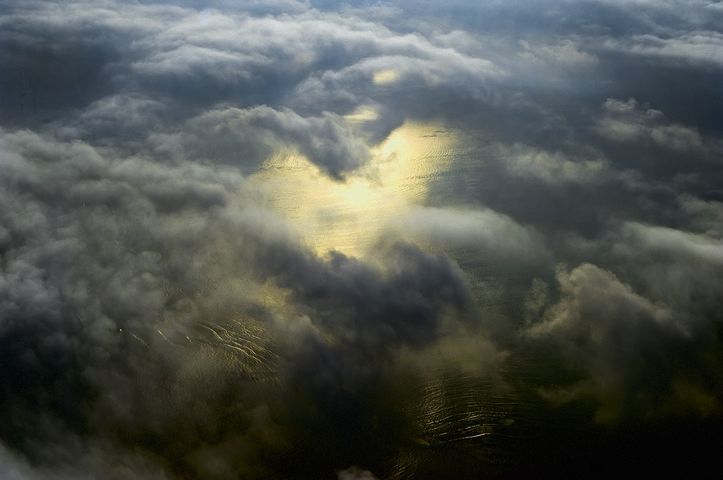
492, 246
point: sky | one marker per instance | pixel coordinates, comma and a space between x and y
361, 240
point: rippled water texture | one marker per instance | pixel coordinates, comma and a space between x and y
456, 414
348, 216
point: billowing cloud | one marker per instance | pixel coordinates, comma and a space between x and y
247, 137
624, 121
631, 353
484, 230
126, 281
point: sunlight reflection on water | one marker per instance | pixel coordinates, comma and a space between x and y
417, 165
349, 216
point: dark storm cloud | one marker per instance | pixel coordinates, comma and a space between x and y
137, 261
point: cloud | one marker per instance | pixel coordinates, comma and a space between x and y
369, 307
160, 317
632, 354
248, 136
291, 78
484, 229
132, 291
624, 121
554, 168
563, 53
107, 119
699, 46
677, 267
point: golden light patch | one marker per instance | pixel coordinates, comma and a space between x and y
385, 77
362, 114
349, 216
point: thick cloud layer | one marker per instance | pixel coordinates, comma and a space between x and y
542, 253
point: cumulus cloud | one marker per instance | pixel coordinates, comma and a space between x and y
598, 323
313, 62
633, 355
485, 230
551, 167
624, 121
247, 137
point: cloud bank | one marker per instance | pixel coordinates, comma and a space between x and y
549, 260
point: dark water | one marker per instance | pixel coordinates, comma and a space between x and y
460, 425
